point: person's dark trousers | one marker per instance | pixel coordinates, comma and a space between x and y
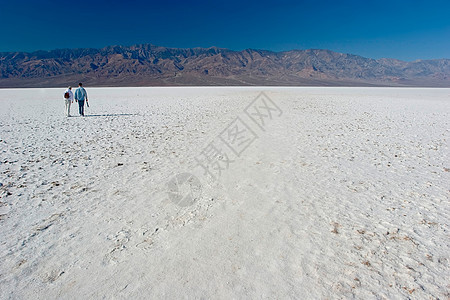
81, 107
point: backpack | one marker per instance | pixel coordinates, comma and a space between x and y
66, 95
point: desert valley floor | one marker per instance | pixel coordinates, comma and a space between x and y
244, 192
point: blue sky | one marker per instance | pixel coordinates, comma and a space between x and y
406, 30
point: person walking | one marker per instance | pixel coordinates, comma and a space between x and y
68, 99
80, 97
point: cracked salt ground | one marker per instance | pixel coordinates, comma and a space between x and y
346, 195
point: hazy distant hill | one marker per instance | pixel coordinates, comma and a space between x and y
146, 65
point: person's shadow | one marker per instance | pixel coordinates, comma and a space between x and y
111, 115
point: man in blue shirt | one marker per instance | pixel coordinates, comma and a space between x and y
80, 96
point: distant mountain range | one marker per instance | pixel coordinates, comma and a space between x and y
148, 65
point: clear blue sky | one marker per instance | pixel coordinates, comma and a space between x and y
406, 30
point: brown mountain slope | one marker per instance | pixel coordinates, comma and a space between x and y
148, 65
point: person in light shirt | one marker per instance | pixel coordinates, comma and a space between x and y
68, 99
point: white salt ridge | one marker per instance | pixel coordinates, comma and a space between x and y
345, 195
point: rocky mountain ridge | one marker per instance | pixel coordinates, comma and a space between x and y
149, 65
